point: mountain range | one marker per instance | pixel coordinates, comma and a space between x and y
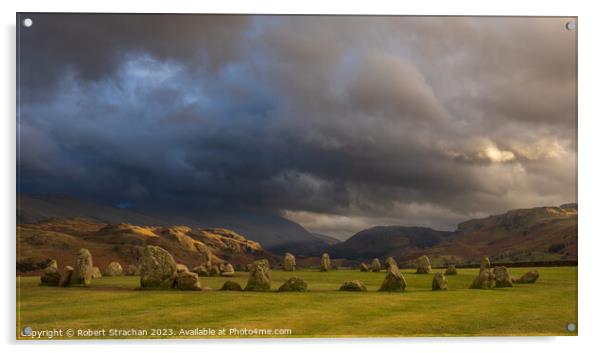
48, 226
522, 235
271, 231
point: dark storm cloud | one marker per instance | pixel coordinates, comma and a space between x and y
337, 122
94, 46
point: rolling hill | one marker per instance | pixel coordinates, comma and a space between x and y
522, 235
61, 238
326, 238
534, 234
52, 226
31, 209
383, 241
271, 231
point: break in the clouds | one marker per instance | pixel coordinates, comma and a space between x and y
336, 122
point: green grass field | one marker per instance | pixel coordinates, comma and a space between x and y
543, 308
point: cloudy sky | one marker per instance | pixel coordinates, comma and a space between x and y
337, 123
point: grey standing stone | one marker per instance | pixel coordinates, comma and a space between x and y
423, 265
83, 268
158, 268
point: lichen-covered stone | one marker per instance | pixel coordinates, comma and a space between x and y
181, 268
394, 280
50, 279
325, 263
451, 270
158, 268
375, 265
259, 276
289, 262
228, 271
53, 266
485, 264
529, 277
186, 280
293, 284
485, 280
364, 268
96, 274
114, 269
423, 265
201, 270
66, 276
83, 268
502, 277
214, 271
51, 275
132, 270
231, 285
353, 286
439, 282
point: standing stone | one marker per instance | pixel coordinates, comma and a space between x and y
186, 280
52, 266
394, 280
364, 267
529, 277
66, 276
390, 261
50, 278
375, 266
181, 268
96, 274
289, 262
214, 271
201, 270
231, 285
158, 268
451, 270
132, 270
439, 282
353, 286
259, 277
114, 269
293, 284
325, 264
51, 275
228, 271
502, 277
423, 265
204, 254
83, 268
485, 264
485, 280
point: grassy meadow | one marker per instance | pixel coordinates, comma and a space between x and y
543, 308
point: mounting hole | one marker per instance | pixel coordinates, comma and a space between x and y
28, 22
570, 26
27, 331
571, 327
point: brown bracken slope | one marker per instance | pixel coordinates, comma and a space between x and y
61, 238
534, 234
522, 235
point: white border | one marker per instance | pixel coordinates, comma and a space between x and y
590, 197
